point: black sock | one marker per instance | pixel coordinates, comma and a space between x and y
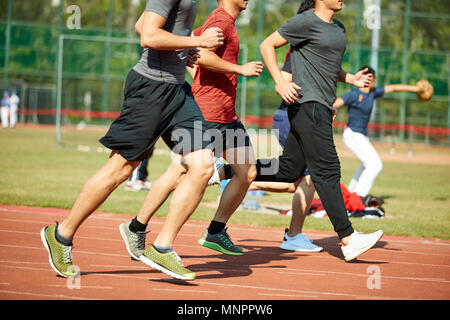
228, 171
162, 249
61, 239
136, 226
215, 227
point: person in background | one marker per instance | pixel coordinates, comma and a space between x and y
13, 108
4, 109
138, 179
360, 102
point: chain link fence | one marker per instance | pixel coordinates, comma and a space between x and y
413, 44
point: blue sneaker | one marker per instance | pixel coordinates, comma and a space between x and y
300, 242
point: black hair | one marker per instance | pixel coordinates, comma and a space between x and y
306, 5
369, 69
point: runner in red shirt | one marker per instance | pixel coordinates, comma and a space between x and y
214, 89
215, 92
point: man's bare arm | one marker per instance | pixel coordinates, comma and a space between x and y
211, 61
150, 28
286, 89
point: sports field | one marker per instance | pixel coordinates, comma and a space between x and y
36, 172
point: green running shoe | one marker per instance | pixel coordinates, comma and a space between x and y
59, 255
169, 263
134, 242
220, 242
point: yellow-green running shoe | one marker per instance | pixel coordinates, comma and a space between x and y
59, 255
169, 263
220, 242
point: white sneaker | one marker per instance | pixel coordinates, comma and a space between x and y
215, 179
300, 242
146, 185
360, 243
134, 185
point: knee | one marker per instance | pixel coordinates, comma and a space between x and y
377, 166
202, 173
251, 173
118, 174
246, 174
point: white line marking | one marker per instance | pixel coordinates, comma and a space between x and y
53, 296
286, 295
300, 271
81, 286
182, 290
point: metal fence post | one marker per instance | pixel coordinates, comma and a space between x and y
374, 53
7, 46
106, 68
259, 35
59, 73
57, 95
405, 69
358, 35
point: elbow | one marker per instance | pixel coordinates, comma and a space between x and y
263, 47
147, 42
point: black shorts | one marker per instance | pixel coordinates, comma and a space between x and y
152, 109
226, 136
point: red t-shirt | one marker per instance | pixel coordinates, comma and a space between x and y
215, 93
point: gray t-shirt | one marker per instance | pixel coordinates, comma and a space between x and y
317, 51
168, 66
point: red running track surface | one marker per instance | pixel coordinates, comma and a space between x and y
396, 268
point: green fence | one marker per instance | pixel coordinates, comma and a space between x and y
413, 45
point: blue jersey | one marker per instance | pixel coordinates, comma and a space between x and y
5, 102
360, 107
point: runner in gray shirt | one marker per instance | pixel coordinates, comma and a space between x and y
170, 66
157, 101
317, 51
318, 45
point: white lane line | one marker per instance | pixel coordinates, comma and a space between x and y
338, 294
301, 273
81, 287
42, 223
77, 252
292, 271
287, 295
184, 290
42, 295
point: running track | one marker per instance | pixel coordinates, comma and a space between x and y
397, 268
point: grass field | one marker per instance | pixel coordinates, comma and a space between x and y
36, 172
